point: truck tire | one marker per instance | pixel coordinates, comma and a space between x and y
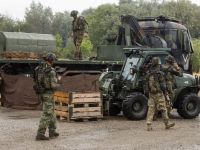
135, 106
114, 110
189, 106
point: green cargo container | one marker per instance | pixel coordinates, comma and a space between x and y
27, 42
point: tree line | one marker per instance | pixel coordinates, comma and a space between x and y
102, 21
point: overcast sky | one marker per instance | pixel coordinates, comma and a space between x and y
16, 8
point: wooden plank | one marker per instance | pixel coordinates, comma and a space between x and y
55, 98
57, 107
86, 114
63, 113
63, 104
65, 108
63, 99
84, 109
57, 112
83, 95
60, 94
86, 100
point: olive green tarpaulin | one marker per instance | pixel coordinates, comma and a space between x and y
17, 90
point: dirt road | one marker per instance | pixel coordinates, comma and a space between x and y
18, 130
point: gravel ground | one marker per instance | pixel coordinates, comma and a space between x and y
18, 130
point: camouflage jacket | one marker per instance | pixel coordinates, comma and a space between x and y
80, 25
170, 71
155, 81
50, 78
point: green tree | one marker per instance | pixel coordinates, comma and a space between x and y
96, 30
70, 49
125, 2
86, 48
61, 25
196, 55
7, 23
89, 11
39, 18
58, 40
22, 26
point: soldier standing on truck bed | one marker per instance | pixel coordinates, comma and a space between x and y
80, 30
156, 86
170, 69
46, 83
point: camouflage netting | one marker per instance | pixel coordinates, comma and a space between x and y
80, 83
17, 90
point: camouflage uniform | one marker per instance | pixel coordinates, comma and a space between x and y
48, 118
79, 27
155, 85
170, 71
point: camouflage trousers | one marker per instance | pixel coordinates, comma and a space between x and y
171, 95
156, 101
78, 38
48, 118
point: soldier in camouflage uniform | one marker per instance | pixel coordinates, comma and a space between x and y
170, 69
155, 86
48, 118
80, 30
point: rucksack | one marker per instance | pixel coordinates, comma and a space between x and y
153, 81
154, 85
38, 78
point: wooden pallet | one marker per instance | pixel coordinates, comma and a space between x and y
78, 106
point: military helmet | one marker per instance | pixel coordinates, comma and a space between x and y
155, 60
50, 57
170, 59
73, 13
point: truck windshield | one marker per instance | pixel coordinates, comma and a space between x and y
126, 71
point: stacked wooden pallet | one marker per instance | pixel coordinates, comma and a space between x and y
78, 106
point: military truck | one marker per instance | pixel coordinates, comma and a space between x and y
144, 38
124, 90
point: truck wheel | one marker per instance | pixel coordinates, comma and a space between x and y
114, 110
135, 106
189, 106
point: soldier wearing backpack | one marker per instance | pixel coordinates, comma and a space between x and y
156, 86
170, 69
46, 83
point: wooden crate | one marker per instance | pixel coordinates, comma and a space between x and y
78, 106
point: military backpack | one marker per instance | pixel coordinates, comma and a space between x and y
40, 77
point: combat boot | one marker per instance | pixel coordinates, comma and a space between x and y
41, 137
149, 127
53, 135
169, 125
76, 56
80, 56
